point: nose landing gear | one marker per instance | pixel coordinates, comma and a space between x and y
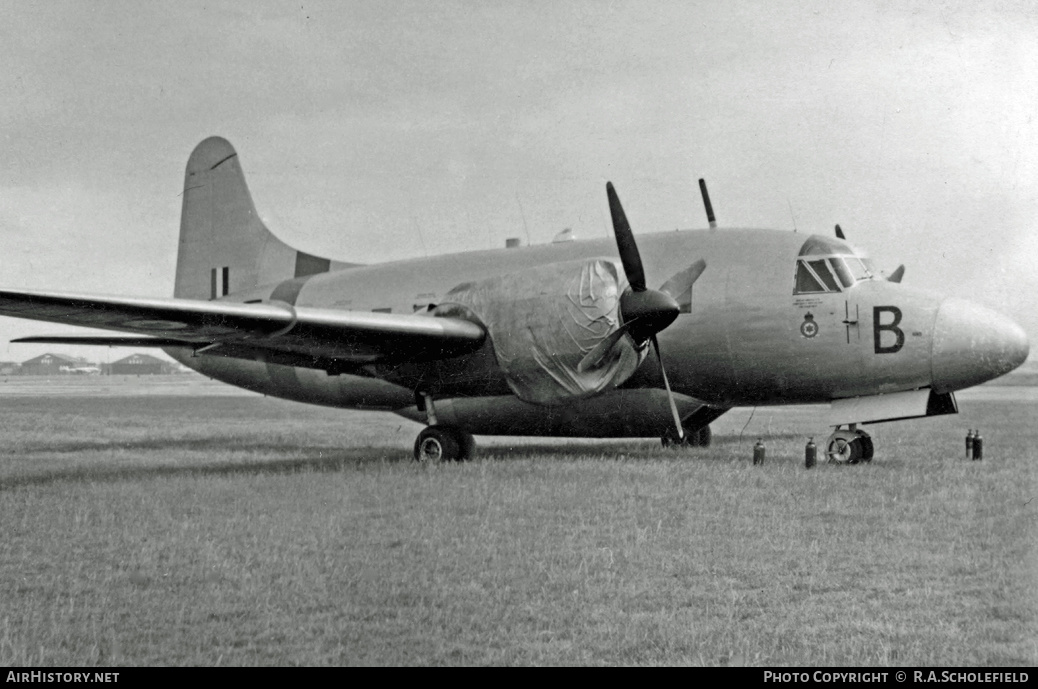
849, 446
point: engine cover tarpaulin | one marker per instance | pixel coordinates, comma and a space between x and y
543, 320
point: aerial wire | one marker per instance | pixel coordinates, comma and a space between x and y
420, 237
522, 213
754, 411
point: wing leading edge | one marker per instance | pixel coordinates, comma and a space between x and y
297, 334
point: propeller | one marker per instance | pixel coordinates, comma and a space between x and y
680, 286
644, 311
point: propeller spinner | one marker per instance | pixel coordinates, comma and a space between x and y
644, 311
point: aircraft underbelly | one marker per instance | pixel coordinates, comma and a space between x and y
299, 384
615, 414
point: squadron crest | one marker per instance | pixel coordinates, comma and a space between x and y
809, 328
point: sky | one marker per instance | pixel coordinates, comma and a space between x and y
378, 131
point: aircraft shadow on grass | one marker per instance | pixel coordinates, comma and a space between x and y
330, 458
115, 474
222, 444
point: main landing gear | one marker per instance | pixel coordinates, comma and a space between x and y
697, 438
849, 446
443, 444
438, 443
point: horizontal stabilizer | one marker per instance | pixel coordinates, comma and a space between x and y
356, 337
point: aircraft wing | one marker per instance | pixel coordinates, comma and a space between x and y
250, 330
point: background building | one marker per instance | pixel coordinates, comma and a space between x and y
140, 365
53, 365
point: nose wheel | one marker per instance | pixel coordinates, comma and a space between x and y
443, 444
849, 446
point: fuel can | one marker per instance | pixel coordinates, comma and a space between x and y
969, 444
758, 452
810, 453
978, 446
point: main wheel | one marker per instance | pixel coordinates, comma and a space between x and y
436, 444
443, 444
466, 445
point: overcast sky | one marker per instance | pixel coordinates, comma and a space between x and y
374, 131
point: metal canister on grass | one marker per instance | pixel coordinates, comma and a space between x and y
810, 453
978, 446
758, 452
969, 444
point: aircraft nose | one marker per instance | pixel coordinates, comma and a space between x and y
972, 344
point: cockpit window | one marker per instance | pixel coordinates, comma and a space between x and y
806, 280
826, 264
821, 269
858, 268
846, 277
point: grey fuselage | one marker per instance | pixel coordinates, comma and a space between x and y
748, 339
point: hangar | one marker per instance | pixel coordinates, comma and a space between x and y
50, 365
140, 365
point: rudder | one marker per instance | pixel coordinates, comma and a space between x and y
224, 246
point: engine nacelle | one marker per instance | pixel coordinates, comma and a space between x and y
543, 320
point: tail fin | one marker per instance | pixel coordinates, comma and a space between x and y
224, 246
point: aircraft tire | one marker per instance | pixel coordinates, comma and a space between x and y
466, 445
867, 449
849, 447
437, 444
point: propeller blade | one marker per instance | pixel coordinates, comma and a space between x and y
629, 256
670, 395
898, 273
679, 287
644, 312
839, 233
599, 351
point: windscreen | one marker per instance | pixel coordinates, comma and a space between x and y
826, 264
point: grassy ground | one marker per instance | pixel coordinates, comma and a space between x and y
244, 530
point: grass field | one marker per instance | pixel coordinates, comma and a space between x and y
243, 530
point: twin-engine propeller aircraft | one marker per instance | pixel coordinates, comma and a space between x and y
550, 340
